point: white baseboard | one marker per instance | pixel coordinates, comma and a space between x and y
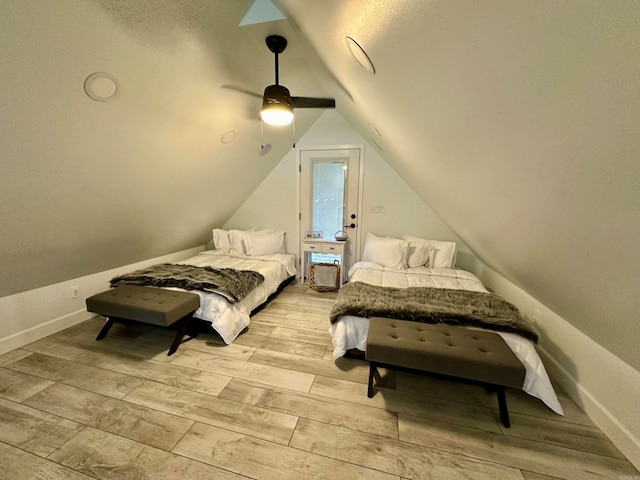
621, 436
605, 387
33, 334
35, 314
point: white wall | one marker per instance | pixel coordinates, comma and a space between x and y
34, 314
274, 204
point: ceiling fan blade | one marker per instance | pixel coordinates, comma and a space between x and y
311, 102
242, 90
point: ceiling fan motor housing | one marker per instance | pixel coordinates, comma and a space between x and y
277, 94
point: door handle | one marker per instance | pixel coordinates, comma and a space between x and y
351, 225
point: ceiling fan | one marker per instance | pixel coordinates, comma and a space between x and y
277, 102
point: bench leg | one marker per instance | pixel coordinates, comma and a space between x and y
105, 329
182, 328
502, 405
372, 372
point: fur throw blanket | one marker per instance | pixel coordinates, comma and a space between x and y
431, 305
232, 284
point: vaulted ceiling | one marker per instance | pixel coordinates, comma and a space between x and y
516, 122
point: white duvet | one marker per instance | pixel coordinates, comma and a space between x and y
229, 319
351, 332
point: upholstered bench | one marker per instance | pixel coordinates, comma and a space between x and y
151, 305
470, 354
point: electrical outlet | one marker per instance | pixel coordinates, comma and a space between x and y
75, 291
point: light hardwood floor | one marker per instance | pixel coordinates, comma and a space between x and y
273, 405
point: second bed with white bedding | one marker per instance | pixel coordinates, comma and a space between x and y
350, 332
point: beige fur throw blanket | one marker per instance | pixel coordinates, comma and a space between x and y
232, 284
431, 305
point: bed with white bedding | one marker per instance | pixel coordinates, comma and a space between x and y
229, 319
244, 252
350, 332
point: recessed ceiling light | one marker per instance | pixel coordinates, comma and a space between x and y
228, 136
101, 86
360, 55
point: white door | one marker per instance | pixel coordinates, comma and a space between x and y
330, 195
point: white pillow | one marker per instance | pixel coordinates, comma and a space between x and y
418, 254
443, 253
264, 243
221, 240
388, 252
238, 245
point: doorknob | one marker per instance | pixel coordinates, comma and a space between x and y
351, 225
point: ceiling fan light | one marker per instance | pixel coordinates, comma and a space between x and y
277, 107
278, 115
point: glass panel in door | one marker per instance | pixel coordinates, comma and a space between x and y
328, 196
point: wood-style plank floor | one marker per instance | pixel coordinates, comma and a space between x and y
273, 405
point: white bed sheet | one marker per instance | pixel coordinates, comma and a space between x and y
229, 319
351, 332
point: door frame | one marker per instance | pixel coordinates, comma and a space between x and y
358, 239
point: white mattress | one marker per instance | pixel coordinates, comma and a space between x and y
229, 319
351, 332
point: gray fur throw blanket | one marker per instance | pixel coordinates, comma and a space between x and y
431, 305
232, 284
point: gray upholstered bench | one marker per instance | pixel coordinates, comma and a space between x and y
151, 305
476, 355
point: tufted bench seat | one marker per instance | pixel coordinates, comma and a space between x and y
151, 305
470, 354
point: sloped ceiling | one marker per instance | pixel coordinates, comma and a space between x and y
87, 186
517, 122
